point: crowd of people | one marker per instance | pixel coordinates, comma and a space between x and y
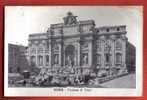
68, 76
64, 77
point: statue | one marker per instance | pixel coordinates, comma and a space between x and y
85, 59
70, 19
68, 60
56, 59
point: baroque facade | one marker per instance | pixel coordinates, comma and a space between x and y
81, 48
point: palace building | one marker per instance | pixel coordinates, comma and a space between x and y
16, 58
81, 47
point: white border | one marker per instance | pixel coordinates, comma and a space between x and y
92, 91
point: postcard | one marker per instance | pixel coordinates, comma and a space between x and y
73, 51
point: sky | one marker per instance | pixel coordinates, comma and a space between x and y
20, 21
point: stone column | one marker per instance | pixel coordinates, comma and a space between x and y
63, 58
124, 39
102, 50
90, 53
113, 50
44, 60
60, 54
76, 57
43, 57
79, 53
61, 49
51, 32
50, 54
36, 58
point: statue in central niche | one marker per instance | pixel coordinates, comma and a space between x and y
70, 19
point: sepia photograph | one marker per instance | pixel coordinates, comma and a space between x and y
73, 50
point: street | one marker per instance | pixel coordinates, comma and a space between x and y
128, 81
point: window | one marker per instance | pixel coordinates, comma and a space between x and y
47, 60
10, 69
107, 46
107, 30
56, 58
118, 45
99, 45
107, 58
118, 58
18, 69
98, 59
97, 31
118, 29
33, 60
40, 60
